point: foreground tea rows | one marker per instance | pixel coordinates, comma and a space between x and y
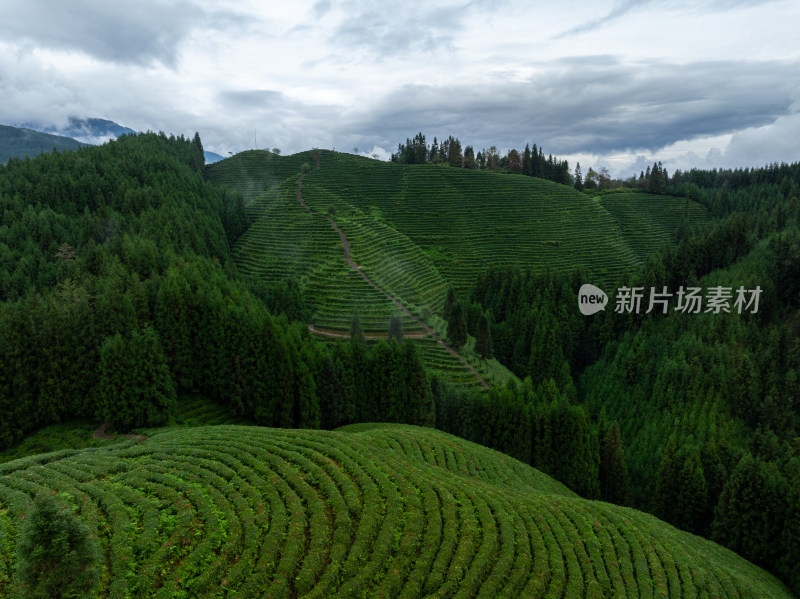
384, 511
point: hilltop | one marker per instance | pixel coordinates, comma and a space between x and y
449, 222
389, 510
16, 142
411, 231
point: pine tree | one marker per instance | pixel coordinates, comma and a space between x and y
693, 492
199, 158
420, 409
750, 516
483, 339
613, 470
574, 455
308, 409
578, 177
134, 386
457, 326
396, 329
356, 332
56, 554
448, 303
666, 497
527, 162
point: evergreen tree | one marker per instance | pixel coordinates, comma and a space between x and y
396, 329
356, 332
420, 409
655, 179
469, 157
134, 386
56, 554
750, 516
578, 177
483, 339
666, 497
457, 326
448, 303
574, 453
308, 409
790, 539
613, 470
527, 162
199, 159
693, 493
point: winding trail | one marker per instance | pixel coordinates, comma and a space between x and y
342, 335
429, 332
100, 433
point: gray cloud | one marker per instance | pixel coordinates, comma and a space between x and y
615, 13
321, 7
624, 7
599, 107
140, 32
254, 98
390, 30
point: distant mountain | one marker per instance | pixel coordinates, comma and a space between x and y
90, 131
16, 142
96, 132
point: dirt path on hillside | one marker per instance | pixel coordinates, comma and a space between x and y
346, 255
299, 195
100, 433
342, 335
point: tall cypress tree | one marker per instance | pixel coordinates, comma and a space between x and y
448, 303
199, 158
666, 498
578, 177
693, 491
396, 329
356, 332
751, 512
613, 470
483, 339
457, 326
527, 161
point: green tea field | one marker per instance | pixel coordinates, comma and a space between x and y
367, 511
383, 239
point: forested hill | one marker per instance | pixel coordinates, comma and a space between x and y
118, 294
704, 401
128, 281
16, 142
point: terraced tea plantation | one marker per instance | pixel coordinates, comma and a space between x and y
370, 511
649, 222
413, 230
417, 228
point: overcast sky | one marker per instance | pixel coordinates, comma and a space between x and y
617, 83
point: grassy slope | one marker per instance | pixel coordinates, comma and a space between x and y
370, 510
16, 142
414, 230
